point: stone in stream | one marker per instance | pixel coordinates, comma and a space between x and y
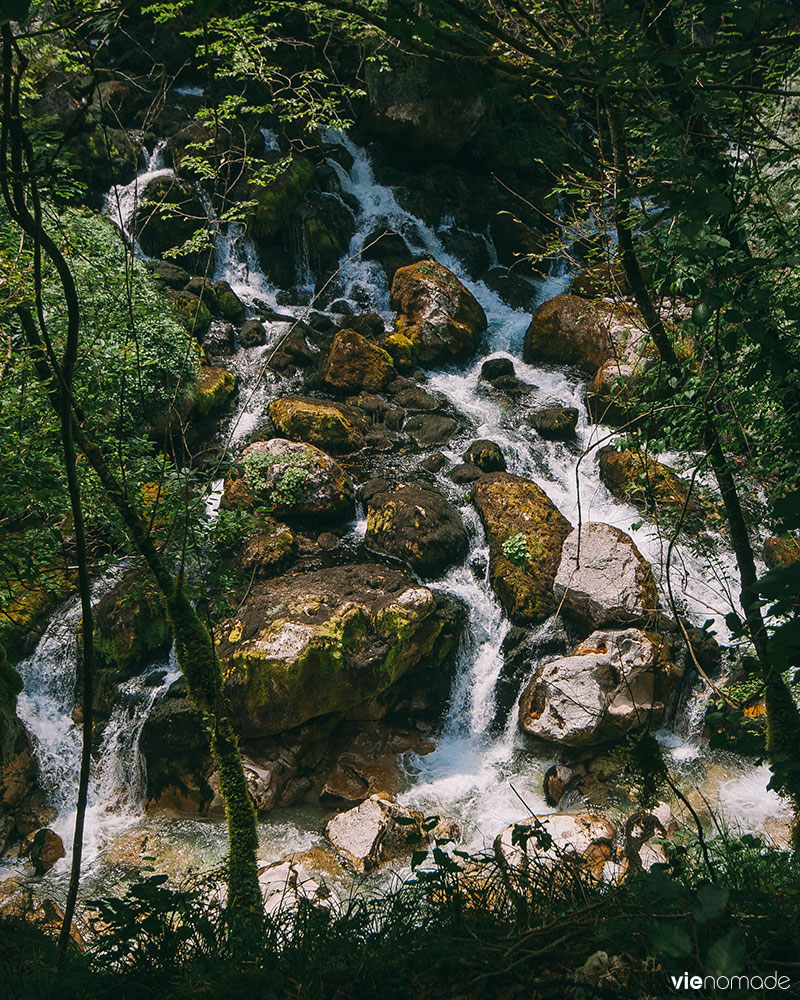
369, 834
643, 830
585, 839
525, 531
213, 389
465, 473
229, 305
555, 423
442, 319
46, 850
487, 455
292, 480
417, 525
354, 363
287, 884
429, 429
611, 684
324, 642
639, 479
611, 584
252, 333
219, 339
497, 368
334, 427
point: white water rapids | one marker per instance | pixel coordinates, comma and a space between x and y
481, 775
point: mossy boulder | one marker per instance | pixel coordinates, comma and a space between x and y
169, 213
191, 312
781, 551
646, 483
555, 423
325, 642
277, 201
213, 389
291, 480
571, 330
354, 363
487, 455
417, 525
525, 531
269, 550
332, 426
442, 319
228, 304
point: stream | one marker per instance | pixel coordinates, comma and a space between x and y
481, 773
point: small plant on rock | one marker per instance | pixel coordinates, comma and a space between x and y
515, 549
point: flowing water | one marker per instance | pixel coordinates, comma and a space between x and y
481, 773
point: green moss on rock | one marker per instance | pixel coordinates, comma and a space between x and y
353, 363
330, 426
213, 389
276, 202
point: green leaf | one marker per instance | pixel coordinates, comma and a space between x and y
726, 956
710, 903
671, 939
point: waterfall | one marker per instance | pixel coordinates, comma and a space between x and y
122, 201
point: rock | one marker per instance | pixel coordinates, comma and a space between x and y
292, 353
555, 423
486, 455
130, 631
175, 745
525, 531
334, 427
390, 251
369, 834
606, 278
220, 339
556, 779
229, 305
429, 429
212, 390
417, 525
284, 884
253, 333
434, 463
324, 642
781, 551
641, 829
465, 473
612, 585
191, 312
611, 684
572, 330
269, 550
585, 839
47, 849
353, 363
170, 274
518, 292
609, 396
440, 317
415, 399
497, 368
646, 483
291, 480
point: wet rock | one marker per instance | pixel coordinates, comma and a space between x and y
353, 363
512, 288
646, 483
609, 397
429, 429
213, 389
191, 312
46, 850
415, 399
612, 683
641, 830
333, 427
486, 455
292, 353
613, 583
228, 304
571, 330
170, 274
555, 423
434, 463
130, 629
465, 473
390, 251
166, 217
525, 532
556, 779
292, 480
324, 642
418, 526
440, 317
369, 834
585, 839
285, 884
252, 333
220, 339
269, 550
497, 368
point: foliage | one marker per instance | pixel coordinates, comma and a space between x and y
515, 549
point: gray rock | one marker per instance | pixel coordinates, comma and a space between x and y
611, 684
585, 838
486, 455
252, 333
612, 585
555, 423
428, 429
369, 834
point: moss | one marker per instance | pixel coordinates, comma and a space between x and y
213, 389
400, 348
24, 610
315, 422
276, 203
193, 314
229, 305
354, 363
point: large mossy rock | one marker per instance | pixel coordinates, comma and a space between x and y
646, 483
417, 525
442, 319
291, 480
354, 363
333, 427
525, 531
571, 330
276, 202
213, 389
325, 642
610, 584
611, 684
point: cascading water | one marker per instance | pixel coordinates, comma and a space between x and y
123, 200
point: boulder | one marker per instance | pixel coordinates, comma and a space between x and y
609, 399
611, 584
611, 684
228, 304
46, 850
417, 525
191, 312
429, 429
465, 473
643, 830
390, 251
324, 642
269, 550
212, 390
646, 483
291, 480
539, 844
486, 455
285, 884
334, 427
253, 333
219, 340
525, 531
555, 423
497, 368
370, 834
441, 318
353, 363
571, 330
